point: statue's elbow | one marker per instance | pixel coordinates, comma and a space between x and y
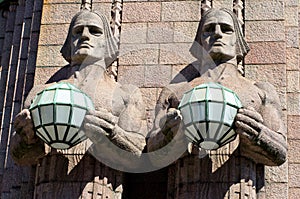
282, 155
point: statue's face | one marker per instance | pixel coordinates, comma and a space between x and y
87, 37
218, 36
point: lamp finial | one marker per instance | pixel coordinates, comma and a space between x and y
86, 5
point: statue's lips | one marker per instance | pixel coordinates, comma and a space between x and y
85, 45
218, 43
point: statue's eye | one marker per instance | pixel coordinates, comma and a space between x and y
77, 30
94, 30
227, 29
209, 28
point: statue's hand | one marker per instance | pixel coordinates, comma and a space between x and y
24, 127
248, 123
98, 124
170, 122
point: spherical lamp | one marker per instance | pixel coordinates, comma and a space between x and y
58, 112
208, 112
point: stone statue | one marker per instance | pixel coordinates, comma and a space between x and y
232, 171
119, 112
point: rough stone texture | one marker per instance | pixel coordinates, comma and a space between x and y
291, 3
104, 8
294, 193
43, 74
150, 97
292, 59
58, 13
266, 52
48, 37
293, 81
294, 175
293, 103
138, 54
292, 39
185, 31
181, 11
50, 56
176, 53
125, 74
276, 191
273, 73
154, 77
134, 33
291, 16
63, 13
141, 12
223, 4
293, 127
264, 31
160, 32
294, 148
256, 10
277, 174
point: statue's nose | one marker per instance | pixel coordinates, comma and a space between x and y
218, 31
85, 33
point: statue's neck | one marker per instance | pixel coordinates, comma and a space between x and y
88, 73
221, 71
218, 64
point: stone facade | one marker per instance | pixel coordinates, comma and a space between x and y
155, 37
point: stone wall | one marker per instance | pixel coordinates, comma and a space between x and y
19, 35
274, 57
293, 95
154, 45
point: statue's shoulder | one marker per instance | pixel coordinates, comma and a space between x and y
269, 92
130, 93
129, 89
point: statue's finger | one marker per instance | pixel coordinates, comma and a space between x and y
94, 132
245, 130
98, 122
251, 112
22, 118
249, 121
105, 115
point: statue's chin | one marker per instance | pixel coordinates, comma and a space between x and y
79, 58
221, 57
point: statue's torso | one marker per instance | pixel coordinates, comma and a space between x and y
223, 173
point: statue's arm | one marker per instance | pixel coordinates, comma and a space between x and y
166, 122
263, 135
131, 130
25, 146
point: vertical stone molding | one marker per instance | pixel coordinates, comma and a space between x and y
19, 36
238, 7
205, 5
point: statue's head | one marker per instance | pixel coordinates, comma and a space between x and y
89, 36
219, 35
